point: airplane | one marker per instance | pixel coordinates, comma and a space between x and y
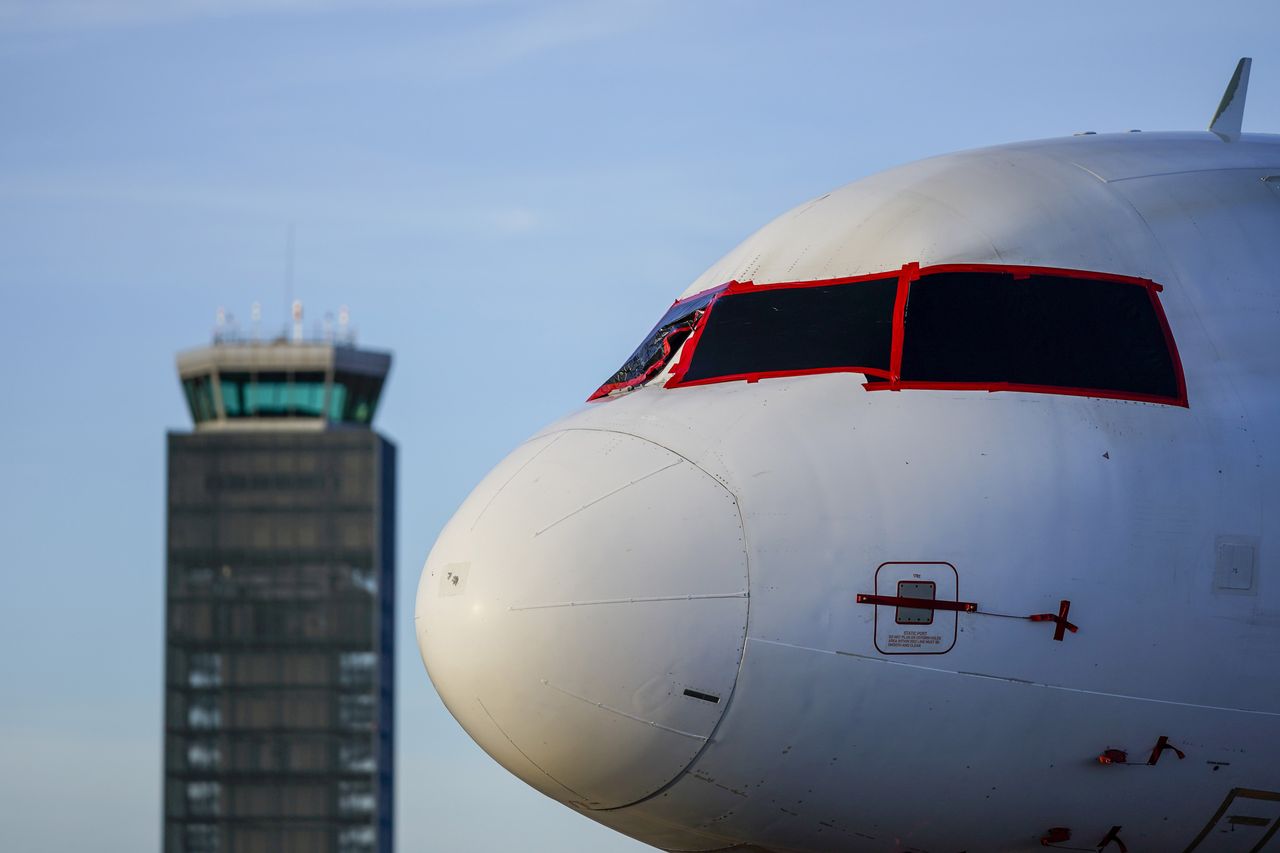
939, 515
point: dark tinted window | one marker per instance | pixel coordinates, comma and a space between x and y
233, 387
199, 392
660, 344
796, 329
989, 327
354, 398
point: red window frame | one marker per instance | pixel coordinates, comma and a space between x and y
681, 367
891, 380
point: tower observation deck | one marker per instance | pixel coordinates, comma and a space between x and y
243, 384
280, 601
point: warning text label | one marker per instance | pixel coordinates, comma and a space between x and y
914, 640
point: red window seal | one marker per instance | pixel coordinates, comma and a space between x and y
733, 288
891, 380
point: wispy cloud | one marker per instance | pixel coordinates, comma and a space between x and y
99, 14
542, 30
503, 36
499, 34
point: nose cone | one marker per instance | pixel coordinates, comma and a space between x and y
583, 614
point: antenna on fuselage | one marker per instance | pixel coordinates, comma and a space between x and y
1226, 121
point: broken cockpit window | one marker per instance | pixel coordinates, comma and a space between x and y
657, 348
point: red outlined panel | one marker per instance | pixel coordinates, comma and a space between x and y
994, 387
1025, 271
681, 367
891, 380
1154, 292
774, 374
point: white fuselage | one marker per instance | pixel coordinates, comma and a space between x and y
649, 610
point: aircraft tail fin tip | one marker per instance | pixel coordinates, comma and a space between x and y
1227, 120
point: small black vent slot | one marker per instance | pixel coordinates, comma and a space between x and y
705, 697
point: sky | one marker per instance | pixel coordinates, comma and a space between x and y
506, 195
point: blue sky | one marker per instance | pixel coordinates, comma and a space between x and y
507, 195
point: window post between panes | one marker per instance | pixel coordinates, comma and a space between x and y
909, 273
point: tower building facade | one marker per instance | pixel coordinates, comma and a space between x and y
280, 597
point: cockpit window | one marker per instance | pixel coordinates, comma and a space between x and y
962, 327
1037, 332
659, 345
780, 331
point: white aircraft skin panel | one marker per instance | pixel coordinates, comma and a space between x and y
795, 491
1124, 156
873, 781
563, 568
1012, 204
1218, 229
929, 221
863, 507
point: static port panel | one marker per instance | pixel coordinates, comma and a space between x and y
916, 630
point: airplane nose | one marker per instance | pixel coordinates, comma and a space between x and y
584, 612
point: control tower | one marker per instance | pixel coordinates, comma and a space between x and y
280, 594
